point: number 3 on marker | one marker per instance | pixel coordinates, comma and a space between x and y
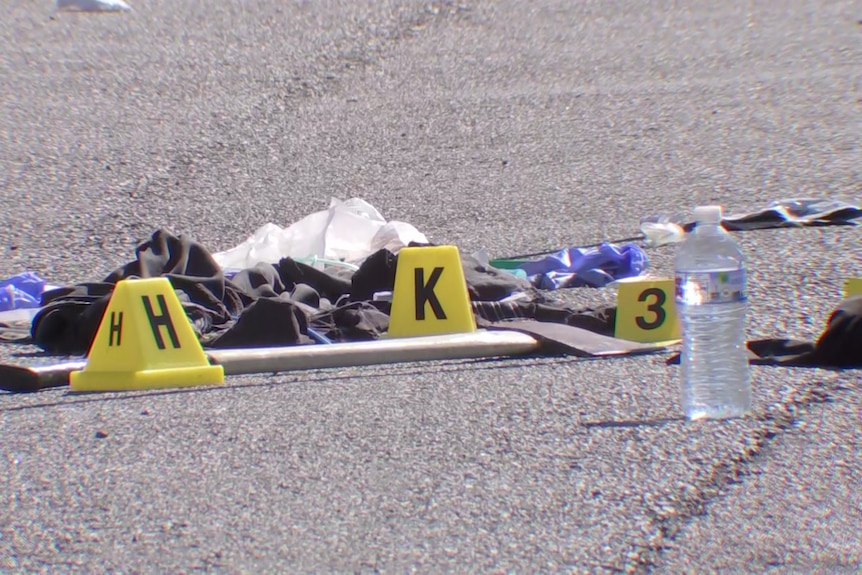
656, 308
646, 312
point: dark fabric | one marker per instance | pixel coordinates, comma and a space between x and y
261, 280
275, 305
354, 321
484, 283
571, 340
71, 315
328, 286
839, 345
376, 274
191, 270
767, 351
68, 321
264, 323
600, 320
791, 214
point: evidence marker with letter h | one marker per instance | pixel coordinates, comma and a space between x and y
145, 341
430, 295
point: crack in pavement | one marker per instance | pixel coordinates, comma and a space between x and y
672, 518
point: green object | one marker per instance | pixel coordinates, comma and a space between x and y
511, 266
312, 260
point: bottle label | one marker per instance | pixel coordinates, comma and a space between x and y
697, 288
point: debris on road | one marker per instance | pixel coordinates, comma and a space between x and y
91, 6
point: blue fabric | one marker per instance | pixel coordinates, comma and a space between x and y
21, 291
580, 267
318, 337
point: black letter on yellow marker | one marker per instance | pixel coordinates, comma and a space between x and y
425, 293
116, 328
163, 319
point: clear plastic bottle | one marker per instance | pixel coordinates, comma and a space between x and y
711, 301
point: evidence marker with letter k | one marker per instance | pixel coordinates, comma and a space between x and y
145, 341
430, 295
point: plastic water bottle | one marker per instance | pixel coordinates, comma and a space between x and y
711, 301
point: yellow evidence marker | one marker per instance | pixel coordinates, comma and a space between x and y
145, 341
646, 311
853, 286
430, 296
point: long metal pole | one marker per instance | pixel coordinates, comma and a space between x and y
278, 359
428, 348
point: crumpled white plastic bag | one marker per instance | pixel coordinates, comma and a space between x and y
660, 230
349, 231
396, 235
91, 6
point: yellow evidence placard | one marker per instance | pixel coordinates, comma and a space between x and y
646, 311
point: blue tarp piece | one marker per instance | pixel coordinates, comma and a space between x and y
21, 291
586, 267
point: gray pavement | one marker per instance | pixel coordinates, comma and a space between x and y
795, 509
507, 126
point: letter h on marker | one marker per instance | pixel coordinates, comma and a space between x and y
161, 320
116, 328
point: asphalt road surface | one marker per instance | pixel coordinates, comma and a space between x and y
494, 124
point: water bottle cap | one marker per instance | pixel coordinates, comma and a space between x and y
707, 214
